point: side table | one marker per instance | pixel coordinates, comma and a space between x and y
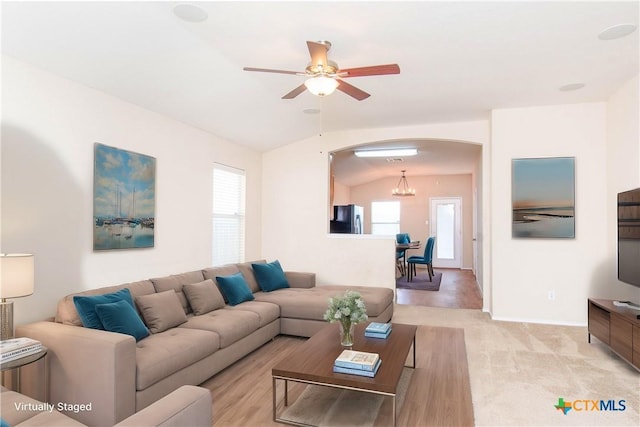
15, 365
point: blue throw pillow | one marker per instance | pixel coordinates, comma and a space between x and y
270, 276
235, 288
86, 306
121, 317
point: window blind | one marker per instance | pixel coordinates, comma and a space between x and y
385, 218
228, 214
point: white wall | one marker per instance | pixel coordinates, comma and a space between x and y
524, 270
295, 198
341, 195
49, 127
476, 186
623, 160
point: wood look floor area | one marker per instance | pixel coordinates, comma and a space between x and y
439, 392
458, 289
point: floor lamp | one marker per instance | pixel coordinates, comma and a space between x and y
16, 280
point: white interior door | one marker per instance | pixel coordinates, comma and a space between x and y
446, 226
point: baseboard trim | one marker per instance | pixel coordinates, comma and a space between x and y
538, 321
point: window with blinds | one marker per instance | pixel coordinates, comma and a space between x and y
228, 214
385, 218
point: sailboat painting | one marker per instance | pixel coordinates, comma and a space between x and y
543, 197
124, 194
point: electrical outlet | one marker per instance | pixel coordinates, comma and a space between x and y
551, 295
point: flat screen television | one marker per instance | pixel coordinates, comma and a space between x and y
629, 237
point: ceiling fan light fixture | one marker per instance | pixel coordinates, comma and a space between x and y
321, 85
403, 189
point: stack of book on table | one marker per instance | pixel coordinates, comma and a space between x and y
16, 348
357, 363
377, 330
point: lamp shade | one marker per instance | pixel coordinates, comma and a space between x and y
321, 85
16, 275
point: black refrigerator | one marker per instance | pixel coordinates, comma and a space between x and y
347, 219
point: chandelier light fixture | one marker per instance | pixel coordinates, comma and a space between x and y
321, 85
403, 189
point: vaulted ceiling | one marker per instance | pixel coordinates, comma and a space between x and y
458, 60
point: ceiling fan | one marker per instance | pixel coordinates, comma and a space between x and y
324, 75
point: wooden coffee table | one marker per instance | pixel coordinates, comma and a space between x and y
313, 363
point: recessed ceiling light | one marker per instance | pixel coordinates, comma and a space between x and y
190, 13
570, 87
617, 31
311, 111
397, 152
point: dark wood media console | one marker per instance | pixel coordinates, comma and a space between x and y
616, 326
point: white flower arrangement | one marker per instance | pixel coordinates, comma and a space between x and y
348, 309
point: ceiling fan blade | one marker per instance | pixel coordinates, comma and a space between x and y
374, 70
352, 90
318, 52
297, 91
267, 70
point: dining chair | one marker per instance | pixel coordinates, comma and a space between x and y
426, 259
402, 239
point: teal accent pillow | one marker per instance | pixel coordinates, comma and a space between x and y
270, 276
235, 288
86, 306
121, 317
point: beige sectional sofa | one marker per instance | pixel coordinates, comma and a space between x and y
186, 406
121, 376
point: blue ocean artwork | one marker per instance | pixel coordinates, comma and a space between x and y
123, 199
543, 197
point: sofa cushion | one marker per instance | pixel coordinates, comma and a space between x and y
160, 355
266, 311
176, 282
223, 270
270, 276
235, 288
121, 317
8, 400
230, 325
66, 311
161, 311
203, 296
86, 306
50, 419
246, 268
34, 415
312, 303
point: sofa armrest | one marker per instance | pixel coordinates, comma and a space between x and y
187, 406
299, 279
88, 366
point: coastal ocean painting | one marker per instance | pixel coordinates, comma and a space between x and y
124, 197
543, 197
